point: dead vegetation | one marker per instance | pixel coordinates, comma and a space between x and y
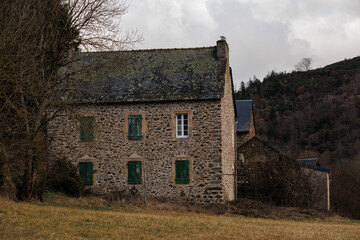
61, 217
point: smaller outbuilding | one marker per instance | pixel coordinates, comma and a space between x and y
265, 174
320, 180
254, 152
258, 160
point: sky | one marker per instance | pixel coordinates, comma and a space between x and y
263, 35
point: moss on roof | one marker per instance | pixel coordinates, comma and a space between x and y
148, 75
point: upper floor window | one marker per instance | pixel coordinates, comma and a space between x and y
135, 126
182, 126
86, 128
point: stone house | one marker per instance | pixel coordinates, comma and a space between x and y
320, 181
161, 121
245, 127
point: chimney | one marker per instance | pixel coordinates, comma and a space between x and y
222, 48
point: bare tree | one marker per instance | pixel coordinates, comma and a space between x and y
304, 64
36, 39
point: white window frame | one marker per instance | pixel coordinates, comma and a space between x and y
182, 126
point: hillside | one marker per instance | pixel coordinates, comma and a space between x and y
315, 113
95, 219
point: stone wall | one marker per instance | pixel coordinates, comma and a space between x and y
227, 130
320, 182
111, 150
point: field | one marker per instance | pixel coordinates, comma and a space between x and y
64, 218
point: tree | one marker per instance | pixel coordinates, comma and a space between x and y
37, 39
304, 64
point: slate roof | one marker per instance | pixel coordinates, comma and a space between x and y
312, 163
147, 75
243, 109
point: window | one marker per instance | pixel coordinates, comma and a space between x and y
86, 172
87, 128
134, 172
182, 171
135, 124
182, 126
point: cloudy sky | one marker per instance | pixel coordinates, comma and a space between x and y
263, 35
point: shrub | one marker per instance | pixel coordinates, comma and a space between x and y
280, 182
123, 194
345, 189
63, 177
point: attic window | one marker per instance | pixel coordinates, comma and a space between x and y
182, 126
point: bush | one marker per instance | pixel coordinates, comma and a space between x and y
280, 182
124, 194
63, 177
345, 189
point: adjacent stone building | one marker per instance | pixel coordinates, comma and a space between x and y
254, 153
245, 127
162, 121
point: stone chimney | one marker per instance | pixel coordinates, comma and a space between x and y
222, 48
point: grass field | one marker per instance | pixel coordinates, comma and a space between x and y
64, 218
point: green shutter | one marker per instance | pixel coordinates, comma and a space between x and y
134, 128
86, 172
182, 171
134, 172
87, 128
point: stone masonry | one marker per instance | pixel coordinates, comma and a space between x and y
111, 150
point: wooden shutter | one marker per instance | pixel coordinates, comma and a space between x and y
182, 171
86, 172
87, 128
135, 127
134, 172
138, 121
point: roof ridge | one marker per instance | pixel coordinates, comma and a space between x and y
152, 49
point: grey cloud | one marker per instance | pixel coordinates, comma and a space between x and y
262, 35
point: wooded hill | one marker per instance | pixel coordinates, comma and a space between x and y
314, 113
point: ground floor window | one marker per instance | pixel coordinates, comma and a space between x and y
134, 172
86, 172
182, 171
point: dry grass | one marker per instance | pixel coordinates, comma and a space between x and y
63, 218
